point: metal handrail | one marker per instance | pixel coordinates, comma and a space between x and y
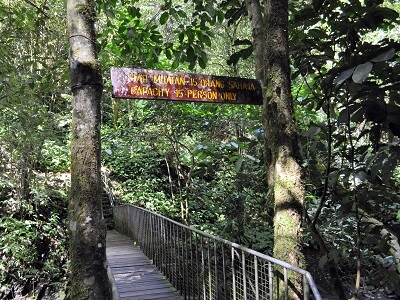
204, 266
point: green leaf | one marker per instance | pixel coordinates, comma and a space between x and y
133, 11
358, 115
312, 131
167, 5
182, 14
181, 37
121, 29
376, 16
238, 164
202, 155
190, 35
242, 42
389, 54
155, 38
361, 72
206, 39
317, 33
343, 117
164, 18
233, 59
234, 158
220, 17
202, 62
244, 54
250, 157
191, 56
343, 76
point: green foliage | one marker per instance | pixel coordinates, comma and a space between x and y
33, 139
127, 27
190, 162
179, 32
345, 86
56, 157
139, 168
33, 243
227, 189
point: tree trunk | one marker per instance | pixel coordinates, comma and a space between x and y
88, 273
281, 138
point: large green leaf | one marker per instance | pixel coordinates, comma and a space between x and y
343, 76
238, 164
343, 117
361, 72
243, 53
191, 57
164, 17
389, 54
239, 42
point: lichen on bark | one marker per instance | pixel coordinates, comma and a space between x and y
87, 11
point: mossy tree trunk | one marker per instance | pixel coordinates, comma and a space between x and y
87, 228
270, 40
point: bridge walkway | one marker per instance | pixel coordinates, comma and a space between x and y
134, 275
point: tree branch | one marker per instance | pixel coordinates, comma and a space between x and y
38, 8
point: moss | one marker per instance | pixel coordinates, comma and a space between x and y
287, 248
87, 11
288, 192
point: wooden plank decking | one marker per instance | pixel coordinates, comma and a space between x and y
134, 275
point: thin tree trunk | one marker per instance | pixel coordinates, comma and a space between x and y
88, 274
281, 137
258, 34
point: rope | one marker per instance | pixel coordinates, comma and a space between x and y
81, 35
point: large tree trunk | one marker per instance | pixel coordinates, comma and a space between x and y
281, 138
87, 228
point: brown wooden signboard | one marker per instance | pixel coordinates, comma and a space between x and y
164, 85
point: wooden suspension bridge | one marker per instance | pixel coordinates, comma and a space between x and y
152, 257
